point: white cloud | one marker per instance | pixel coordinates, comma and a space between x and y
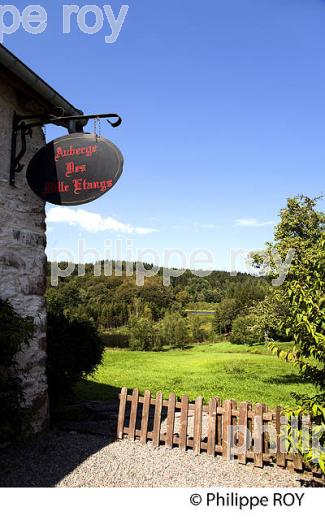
195, 227
252, 222
208, 226
93, 222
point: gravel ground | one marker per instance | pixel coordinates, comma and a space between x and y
62, 459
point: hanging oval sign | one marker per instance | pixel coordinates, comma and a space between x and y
75, 169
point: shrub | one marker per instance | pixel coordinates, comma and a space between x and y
74, 349
197, 329
14, 332
226, 313
115, 339
246, 331
175, 330
144, 334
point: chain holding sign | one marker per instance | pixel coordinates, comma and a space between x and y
71, 170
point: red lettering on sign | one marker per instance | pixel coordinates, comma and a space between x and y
82, 168
71, 151
56, 187
72, 168
69, 169
77, 183
83, 185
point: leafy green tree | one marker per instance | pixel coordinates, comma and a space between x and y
227, 310
67, 299
262, 323
140, 309
175, 330
302, 229
182, 297
144, 334
268, 315
158, 297
246, 330
246, 291
196, 329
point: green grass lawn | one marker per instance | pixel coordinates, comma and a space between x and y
224, 370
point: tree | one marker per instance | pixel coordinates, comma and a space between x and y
302, 229
262, 323
175, 330
246, 330
239, 296
144, 334
197, 332
226, 312
247, 291
269, 314
140, 309
158, 297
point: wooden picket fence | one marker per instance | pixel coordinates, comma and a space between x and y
205, 428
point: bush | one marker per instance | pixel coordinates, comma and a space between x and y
74, 349
246, 331
115, 339
175, 330
144, 334
197, 329
14, 332
226, 312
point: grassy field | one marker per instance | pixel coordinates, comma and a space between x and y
223, 370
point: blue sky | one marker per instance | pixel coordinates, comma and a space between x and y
224, 118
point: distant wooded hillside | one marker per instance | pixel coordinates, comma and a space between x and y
109, 301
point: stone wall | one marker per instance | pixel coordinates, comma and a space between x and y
22, 257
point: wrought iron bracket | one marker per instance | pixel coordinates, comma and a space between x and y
22, 127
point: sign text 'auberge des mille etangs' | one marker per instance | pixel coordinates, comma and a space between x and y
75, 169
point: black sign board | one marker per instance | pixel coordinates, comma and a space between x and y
75, 169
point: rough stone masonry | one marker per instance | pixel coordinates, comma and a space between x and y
22, 254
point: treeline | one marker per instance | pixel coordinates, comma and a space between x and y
246, 309
117, 304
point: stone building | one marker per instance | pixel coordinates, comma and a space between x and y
22, 222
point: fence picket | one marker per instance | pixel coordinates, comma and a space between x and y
280, 451
183, 423
170, 421
212, 426
258, 436
145, 417
250, 422
265, 448
234, 423
121, 413
219, 424
157, 420
197, 426
226, 437
242, 436
133, 414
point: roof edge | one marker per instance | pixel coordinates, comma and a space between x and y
36, 83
